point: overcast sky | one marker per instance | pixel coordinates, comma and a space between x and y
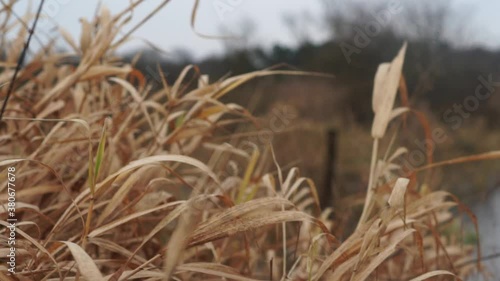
170, 28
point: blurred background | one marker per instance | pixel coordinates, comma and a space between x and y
322, 124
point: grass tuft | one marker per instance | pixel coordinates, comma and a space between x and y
119, 178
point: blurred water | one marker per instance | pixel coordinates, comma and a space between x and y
488, 215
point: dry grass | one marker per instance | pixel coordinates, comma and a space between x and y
118, 182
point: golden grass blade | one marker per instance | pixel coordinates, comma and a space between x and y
105, 228
370, 239
367, 207
342, 269
120, 194
100, 154
315, 195
492, 155
85, 37
10, 162
351, 242
384, 92
177, 85
85, 263
187, 223
164, 222
31, 124
249, 223
383, 255
99, 71
432, 274
165, 158
115, 248
242, 190
238, 211
234, 82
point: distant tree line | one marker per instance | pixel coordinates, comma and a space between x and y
437, 72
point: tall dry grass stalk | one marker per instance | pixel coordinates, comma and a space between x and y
121, 180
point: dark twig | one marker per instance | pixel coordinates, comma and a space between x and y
21, 59
20, 20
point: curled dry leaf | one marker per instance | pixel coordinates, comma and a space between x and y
84, 262
384, 92
397, 198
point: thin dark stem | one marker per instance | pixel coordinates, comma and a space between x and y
19, 19
21, 59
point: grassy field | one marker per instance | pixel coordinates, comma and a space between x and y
113, 179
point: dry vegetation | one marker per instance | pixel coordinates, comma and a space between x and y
116, 181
